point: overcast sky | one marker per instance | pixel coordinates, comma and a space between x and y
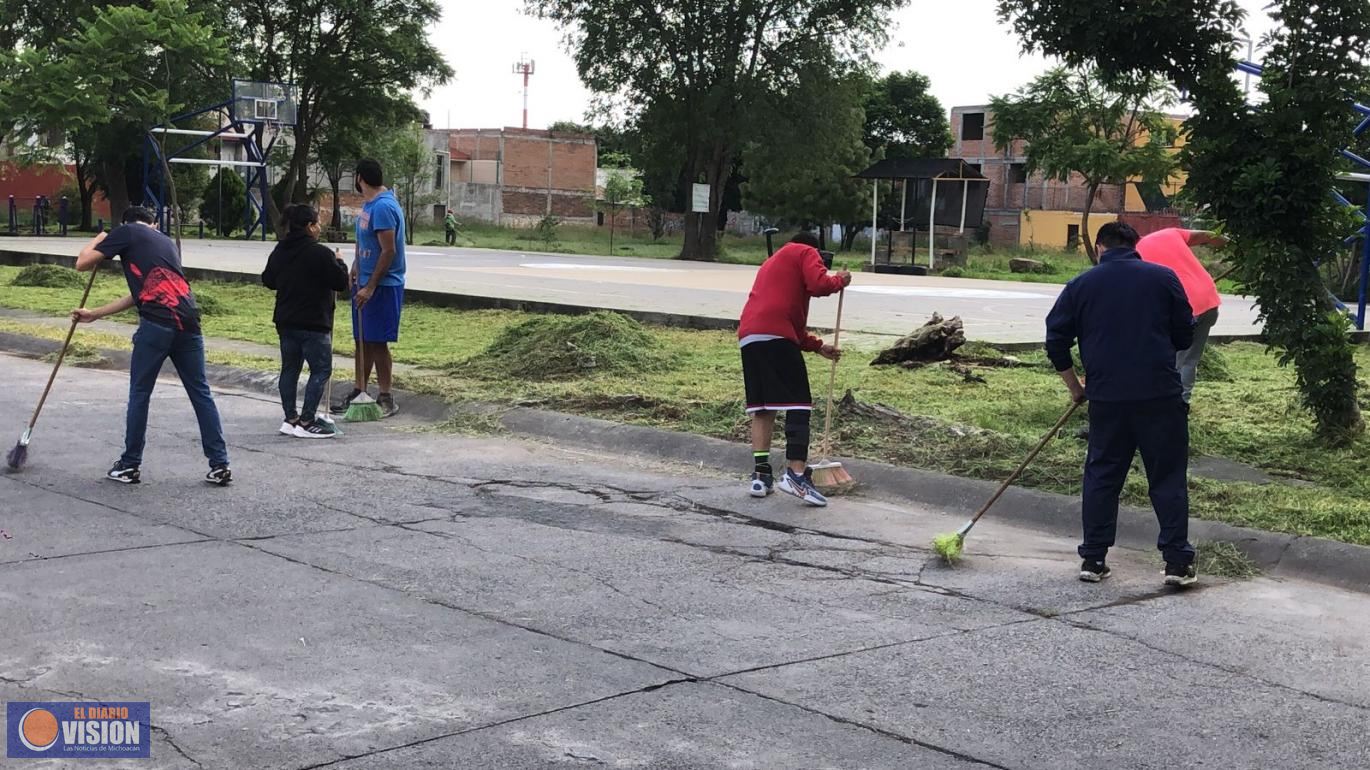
960, 45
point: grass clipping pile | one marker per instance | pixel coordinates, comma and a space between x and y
559, 347
48, 277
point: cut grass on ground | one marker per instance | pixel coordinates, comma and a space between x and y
955, 426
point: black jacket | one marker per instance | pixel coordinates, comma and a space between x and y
1130, 317
305, 275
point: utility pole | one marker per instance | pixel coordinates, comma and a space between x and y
524, 67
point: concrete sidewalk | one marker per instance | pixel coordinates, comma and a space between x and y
699, 294
396, 599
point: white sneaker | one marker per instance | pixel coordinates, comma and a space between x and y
761, 485
287, 428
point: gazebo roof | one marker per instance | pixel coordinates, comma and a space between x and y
921, 168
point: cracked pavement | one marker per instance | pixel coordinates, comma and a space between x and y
404, 599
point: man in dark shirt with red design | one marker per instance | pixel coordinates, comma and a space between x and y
168, 327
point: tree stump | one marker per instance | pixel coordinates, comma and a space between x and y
933, 341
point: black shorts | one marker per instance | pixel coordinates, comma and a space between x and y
775, 377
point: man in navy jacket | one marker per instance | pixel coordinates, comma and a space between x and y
1130, 318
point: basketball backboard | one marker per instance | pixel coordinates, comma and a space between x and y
258, 102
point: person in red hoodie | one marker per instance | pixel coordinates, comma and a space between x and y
773, 335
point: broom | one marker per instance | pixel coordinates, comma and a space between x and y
20, 453
828, 475
363, 408
948, 546
323, 414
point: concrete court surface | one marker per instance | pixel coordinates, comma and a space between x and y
400, 598
993, 311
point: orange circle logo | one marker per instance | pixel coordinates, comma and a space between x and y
38, 729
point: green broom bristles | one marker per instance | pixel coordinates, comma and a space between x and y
948, 546
363, 409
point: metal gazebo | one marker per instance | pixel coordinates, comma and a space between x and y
933, 191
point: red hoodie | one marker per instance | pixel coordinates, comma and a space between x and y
779, 302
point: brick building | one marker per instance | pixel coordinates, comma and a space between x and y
516, 176
1031, 210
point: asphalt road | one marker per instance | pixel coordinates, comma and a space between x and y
394, 599
996, 311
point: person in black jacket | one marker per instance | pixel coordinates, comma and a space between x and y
1130, 317
305, 275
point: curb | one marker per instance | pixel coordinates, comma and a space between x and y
1319, 560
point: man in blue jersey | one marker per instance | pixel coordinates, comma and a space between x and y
377, 284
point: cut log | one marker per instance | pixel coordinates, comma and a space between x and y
1025, 265
933, 341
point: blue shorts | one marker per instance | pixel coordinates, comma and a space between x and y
381, 315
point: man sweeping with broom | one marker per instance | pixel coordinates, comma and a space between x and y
773, 335
168, 327
1130, 317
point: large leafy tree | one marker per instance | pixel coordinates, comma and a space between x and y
1264, 169
904, 119
103, 75
801, 167
706, 68
1075, 123
347, 57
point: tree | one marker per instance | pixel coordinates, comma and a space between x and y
622, 187
1075, 123
802, 167
904, 119
705, 67
1262, 169
225, 200
408, 164
345, 139
117, 71
346, 57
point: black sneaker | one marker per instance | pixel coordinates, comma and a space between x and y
1181, 575
219, 475
341, 406
124, 474
387, 404
315, 429
1094, 571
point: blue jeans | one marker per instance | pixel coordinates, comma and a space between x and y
153, 344
297, 347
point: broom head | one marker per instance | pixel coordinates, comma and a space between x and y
831, 478
363, 409
948, 546
19, 455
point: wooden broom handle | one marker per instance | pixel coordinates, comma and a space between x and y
832, 377
63, 352
1031, 456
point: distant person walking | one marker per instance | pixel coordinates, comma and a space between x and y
1130, 318
449, 224
168, 327
1170, 247
305, 275
378, 285
773, 335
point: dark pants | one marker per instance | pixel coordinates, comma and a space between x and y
153, 344
1117, 430
451, 237
299, 346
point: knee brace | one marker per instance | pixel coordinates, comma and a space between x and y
797, 434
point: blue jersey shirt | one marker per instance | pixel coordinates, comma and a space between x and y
1130, 318
380, 213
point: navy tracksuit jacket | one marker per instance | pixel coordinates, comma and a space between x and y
1130, 318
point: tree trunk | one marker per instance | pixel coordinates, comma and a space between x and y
1084, 223
335, 222
116, 183
701, 228
612, 217
85, 189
